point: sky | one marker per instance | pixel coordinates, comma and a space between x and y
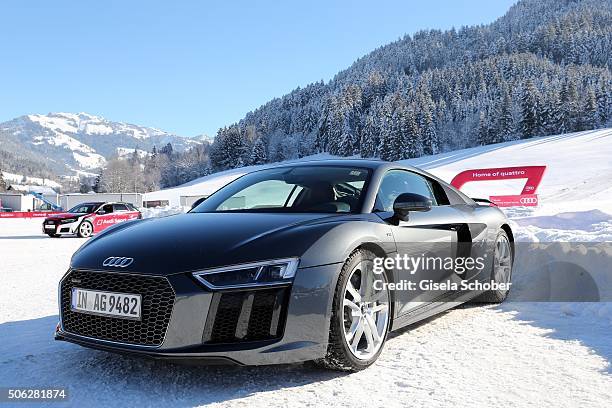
190, 67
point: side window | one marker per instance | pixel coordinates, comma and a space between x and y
439, 193
120, 207
108, 208
396, 182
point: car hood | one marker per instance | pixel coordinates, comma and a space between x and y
62, 216
194, 241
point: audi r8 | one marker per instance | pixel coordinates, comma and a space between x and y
87, 219
283, 265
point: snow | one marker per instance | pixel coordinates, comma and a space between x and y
61, 123
97, 129
27, 188
515, 354
68, 142
64, 124
579, 167
126, 152
18, 178
89, 160
204, 186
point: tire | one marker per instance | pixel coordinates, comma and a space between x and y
352, 317
85, 229
503, 260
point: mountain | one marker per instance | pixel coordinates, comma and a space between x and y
69, 143
543, 68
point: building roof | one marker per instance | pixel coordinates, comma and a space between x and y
28, 188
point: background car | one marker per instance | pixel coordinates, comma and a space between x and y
87, 219
276, 267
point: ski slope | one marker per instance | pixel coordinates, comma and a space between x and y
579, 168
515, 354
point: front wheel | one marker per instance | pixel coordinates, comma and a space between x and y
361, 314
502, 269
85, 230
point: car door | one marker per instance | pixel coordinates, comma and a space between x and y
104, 218
121, 212
424, 242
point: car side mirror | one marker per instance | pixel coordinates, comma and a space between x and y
406, 202
100, 212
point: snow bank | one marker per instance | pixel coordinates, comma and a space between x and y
162, 211
577, 176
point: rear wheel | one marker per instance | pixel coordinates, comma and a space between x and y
502, 269
85, 229
360, 316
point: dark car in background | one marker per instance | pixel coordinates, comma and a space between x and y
276, 267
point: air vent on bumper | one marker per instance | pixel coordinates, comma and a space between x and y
250, 315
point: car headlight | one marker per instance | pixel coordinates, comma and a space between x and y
67, 220
266, 273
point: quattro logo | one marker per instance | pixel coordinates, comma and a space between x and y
118, 261
521, 200
528, 200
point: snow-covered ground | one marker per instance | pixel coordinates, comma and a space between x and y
13, 178
516, 354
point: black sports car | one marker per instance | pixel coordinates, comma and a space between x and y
309, 261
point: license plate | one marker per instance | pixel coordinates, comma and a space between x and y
123, 305
49, 226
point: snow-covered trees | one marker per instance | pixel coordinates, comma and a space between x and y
369, 137
229, 149
259, 154
3, 185
530, 108
117, 177
544, 68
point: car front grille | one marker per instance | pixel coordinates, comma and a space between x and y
250, 315
157, 302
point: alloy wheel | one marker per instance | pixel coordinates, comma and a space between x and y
85, 229
366, 311
502, 267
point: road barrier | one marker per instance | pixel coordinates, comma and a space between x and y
27, 214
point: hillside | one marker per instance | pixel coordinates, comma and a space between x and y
67, 143
541, 69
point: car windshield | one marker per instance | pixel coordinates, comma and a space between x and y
83, 208
304, 189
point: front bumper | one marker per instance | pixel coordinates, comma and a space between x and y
302, 333
60, 229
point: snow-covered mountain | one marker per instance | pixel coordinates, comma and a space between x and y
72, 142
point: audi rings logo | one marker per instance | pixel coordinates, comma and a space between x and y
528, 200
118, 261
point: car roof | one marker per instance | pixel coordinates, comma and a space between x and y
116, 202
349, 162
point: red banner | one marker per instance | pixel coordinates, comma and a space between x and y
527, 197
521, 200
27, 214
